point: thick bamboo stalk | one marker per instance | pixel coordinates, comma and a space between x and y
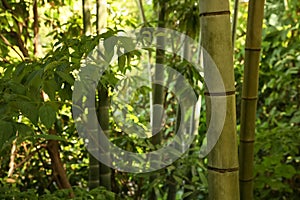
249, 96
217, 41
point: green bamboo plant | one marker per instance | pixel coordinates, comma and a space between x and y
249, 96
216, 40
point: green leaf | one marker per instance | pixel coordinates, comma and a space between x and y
186, 194
50, 87
35, 78
23, 129
121, 62
66, 77
51, 65
6, 132
47, 115
29, 110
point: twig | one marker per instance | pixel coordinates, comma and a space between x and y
29, 156
12, 157
10, 45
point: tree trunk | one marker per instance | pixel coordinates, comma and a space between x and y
249, 96
59, 173
217, 41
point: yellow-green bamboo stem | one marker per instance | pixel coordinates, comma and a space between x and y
249, 96
235, 20
217, 41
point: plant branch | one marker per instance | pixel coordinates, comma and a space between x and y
10, 45
142, 11
30, 156
17, 34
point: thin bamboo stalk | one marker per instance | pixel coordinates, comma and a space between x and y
86, 11
158, 90
216, 40
235, 21
93, 162
249, 96
101, 16
103, 116
105, 172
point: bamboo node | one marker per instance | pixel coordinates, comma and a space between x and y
225, 12
252, 49
228, 93
234, 169
247, 141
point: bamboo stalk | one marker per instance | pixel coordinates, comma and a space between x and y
235, 21
103, 105
36, 27
249, 96
103, 116
158, 89
101, 16
86, 11
94, 165
216, 40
